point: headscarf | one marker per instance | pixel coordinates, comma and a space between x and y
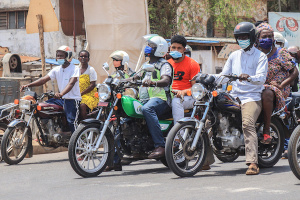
264, 26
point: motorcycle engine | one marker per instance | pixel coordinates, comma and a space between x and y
230, 136
136, 135
51, 130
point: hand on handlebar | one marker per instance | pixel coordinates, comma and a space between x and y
148, 83
23, 87
244, 77
57, 96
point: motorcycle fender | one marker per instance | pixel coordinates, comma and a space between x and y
91, 121
16, 122
190, 119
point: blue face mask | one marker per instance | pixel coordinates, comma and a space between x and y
266, 43
148, 50
61, 61
244, 44
175, 54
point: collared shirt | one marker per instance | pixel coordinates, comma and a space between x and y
255, 64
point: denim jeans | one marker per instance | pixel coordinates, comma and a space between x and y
151, 110
71, 110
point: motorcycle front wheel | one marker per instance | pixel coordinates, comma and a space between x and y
13, 148
84, 159
180, 158
294, 152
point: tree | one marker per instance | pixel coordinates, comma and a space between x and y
164, 18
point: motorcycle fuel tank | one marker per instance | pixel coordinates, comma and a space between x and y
227, 103
132, 107
47, 109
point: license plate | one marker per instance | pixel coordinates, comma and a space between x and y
103, 104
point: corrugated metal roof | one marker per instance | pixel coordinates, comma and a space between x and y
24, 59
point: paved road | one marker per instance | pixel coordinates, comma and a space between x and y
50, 176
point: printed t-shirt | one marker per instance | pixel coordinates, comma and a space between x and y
184, 71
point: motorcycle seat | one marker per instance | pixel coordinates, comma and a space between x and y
169, 116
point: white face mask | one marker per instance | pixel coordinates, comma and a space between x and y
277, 45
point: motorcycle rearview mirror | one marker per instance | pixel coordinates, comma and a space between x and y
148, 68
105, 67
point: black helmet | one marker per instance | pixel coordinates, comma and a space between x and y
246, 28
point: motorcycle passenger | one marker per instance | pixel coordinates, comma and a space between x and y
185, 68
281, 75
66, 75
87, 84
251, 66
156, 99
120, 59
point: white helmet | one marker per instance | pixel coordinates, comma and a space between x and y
68, 50
120, 56
158, 43
286, 44
279, 38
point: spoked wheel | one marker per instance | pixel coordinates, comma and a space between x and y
269, 154
3, 127
85, 160
13, 146
294, 152
181, 159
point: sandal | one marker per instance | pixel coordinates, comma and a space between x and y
252, 170
267, 139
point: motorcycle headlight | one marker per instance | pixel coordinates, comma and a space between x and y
131, 92
198, 91
104, 92
24, 104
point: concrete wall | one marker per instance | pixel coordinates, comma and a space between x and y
19, 42
209, 60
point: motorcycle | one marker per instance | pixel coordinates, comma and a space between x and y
294, 142
8, 112
92, 145
220, 118
51, 123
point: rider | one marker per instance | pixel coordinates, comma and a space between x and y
120, 59
251, 66
87, 84
156, 99
66, 75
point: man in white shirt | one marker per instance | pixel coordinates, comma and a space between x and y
67, 76
251, 66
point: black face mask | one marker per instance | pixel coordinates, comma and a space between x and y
120, 68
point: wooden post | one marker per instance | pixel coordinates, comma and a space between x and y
42, 47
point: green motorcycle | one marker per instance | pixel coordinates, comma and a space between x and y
92, 145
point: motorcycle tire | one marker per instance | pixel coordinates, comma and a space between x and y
81, 156
12, 152
3, 127
179, 161
293, 152
275, 148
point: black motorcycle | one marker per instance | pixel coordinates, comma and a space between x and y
220, 119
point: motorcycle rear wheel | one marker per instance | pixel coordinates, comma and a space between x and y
84, 161
270, 154
12, 150
181, 160
294, 152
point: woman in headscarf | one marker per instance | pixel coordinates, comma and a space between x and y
281, 74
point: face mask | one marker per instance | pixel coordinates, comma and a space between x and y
148, 50
175, 54
61, 61
266, 43
244, 44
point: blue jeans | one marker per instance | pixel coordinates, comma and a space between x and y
71, 110
151, 110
